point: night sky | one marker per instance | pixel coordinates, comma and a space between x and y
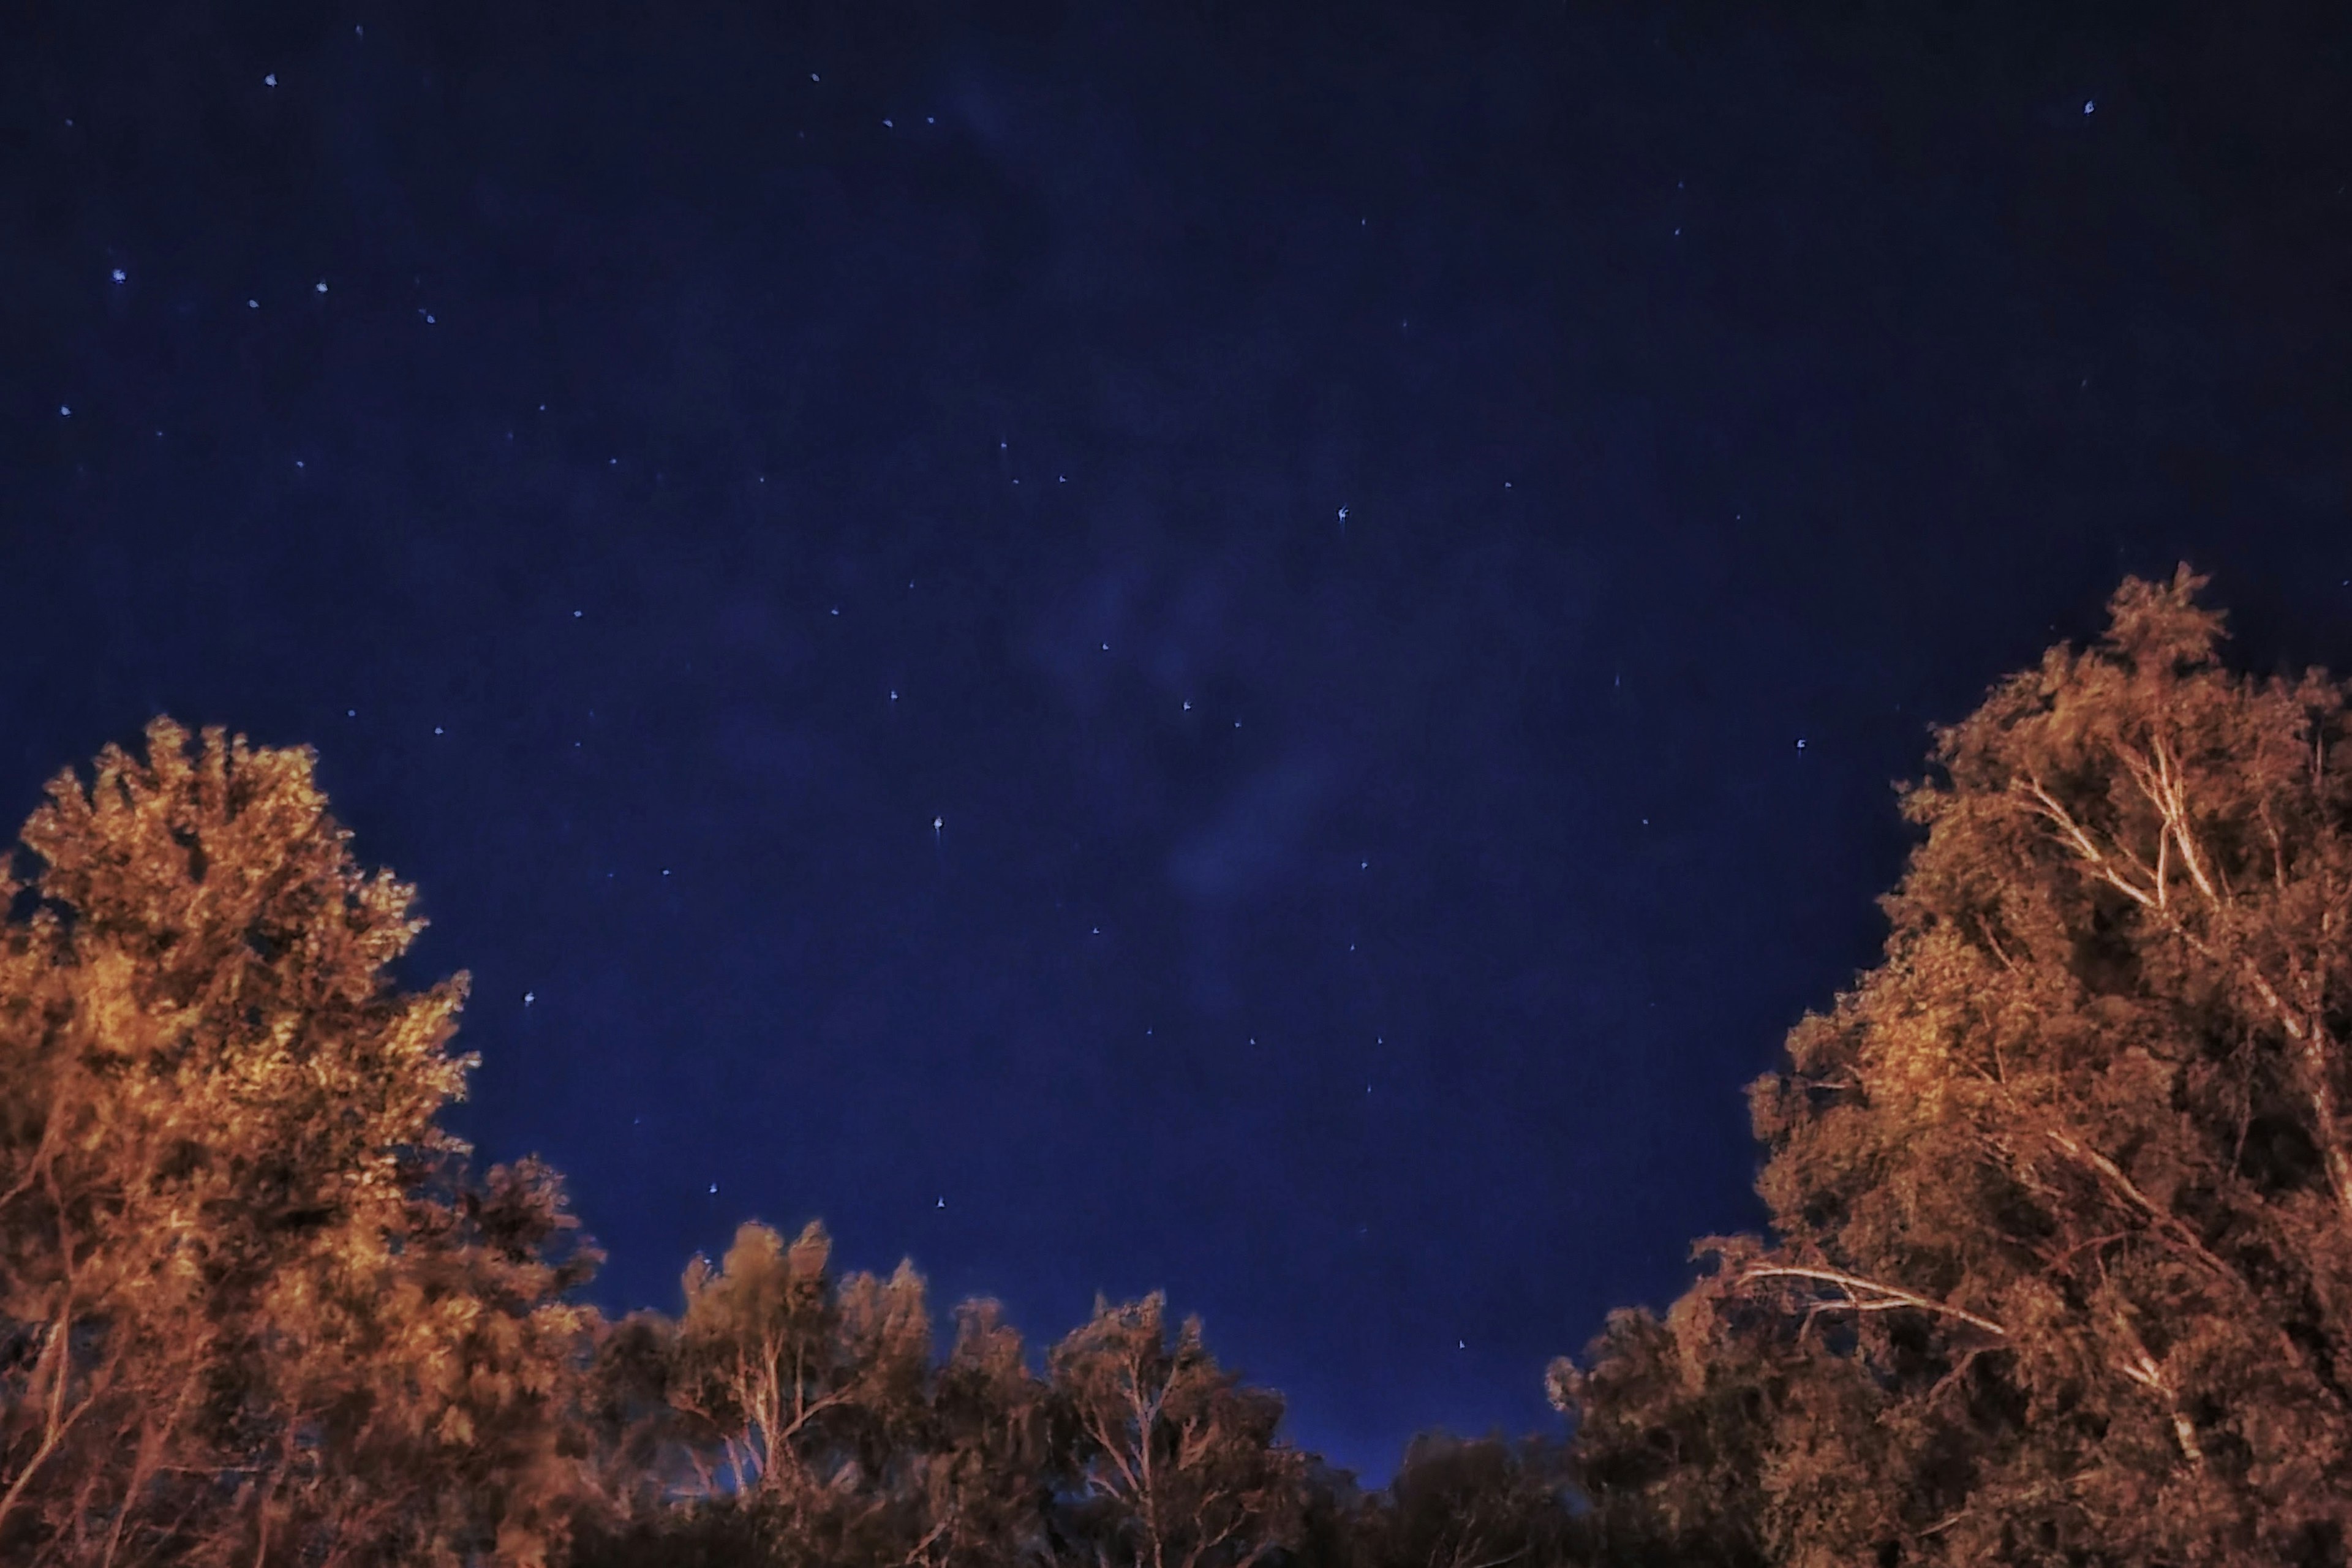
1254, 649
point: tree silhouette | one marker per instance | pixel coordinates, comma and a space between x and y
1469, 1504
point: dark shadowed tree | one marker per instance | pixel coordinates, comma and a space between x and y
989, 1474
1332, 1507
2065, 1177
1471, 1504
1677, 1419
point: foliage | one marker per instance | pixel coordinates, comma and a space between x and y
1470, 1503
250, 1307
255, 1308
2062, 1266
2059, 1268
1174, 1461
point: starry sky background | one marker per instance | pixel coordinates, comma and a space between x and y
667, 458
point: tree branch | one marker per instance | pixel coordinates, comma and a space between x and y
1879, 1298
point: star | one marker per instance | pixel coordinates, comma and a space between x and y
529, 997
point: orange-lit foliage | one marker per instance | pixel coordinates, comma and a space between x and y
255, 1309
250, 1310
1174, 1461
2062, 1209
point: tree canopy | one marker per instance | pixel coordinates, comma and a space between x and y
2059, 1269
2061, 1261
250, 1302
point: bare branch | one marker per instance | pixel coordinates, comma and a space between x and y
1870, 1295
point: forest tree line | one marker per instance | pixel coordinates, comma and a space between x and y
2059, 1269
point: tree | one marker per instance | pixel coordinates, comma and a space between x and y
240, 1263
792, 1418
989, 1473
1173, 1461
814, 1390
1695, 1431
1470, 1503
440, 1381
2065, 1179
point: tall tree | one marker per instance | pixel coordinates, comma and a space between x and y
1175, 1462
1470, 1503
225, 1270
815, 1388
792, 1418
2067, 1175
1693, 1430
990, 1467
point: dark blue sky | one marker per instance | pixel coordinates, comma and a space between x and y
1400, 552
